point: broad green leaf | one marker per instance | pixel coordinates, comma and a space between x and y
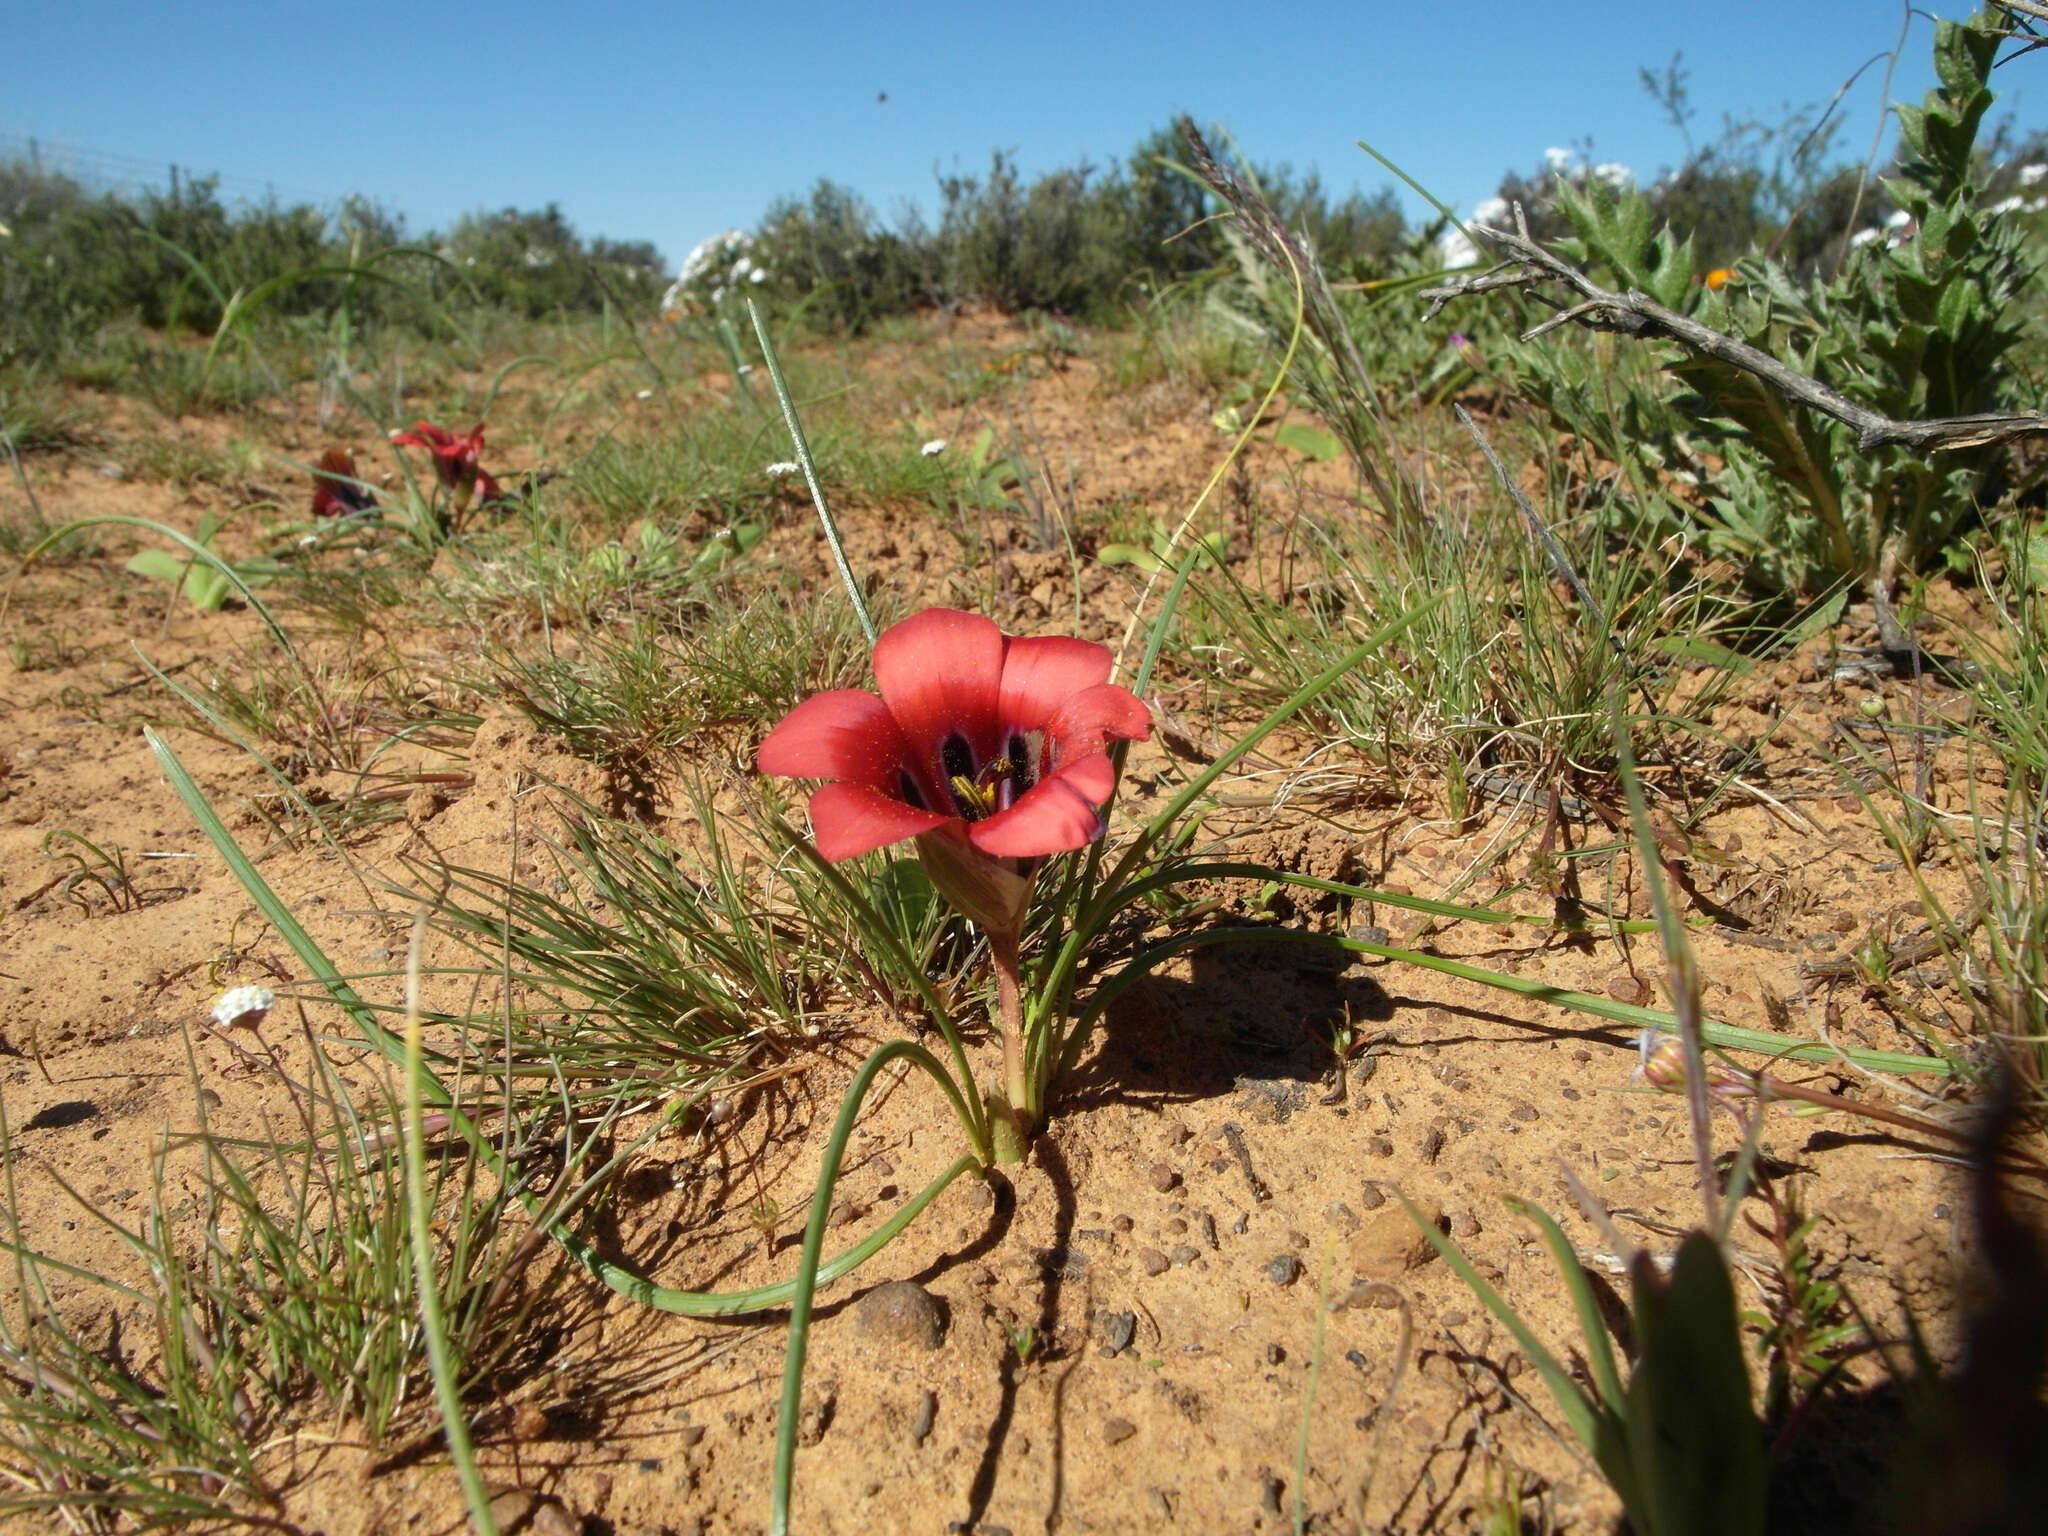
1307, 438
158, 565
1694, 1441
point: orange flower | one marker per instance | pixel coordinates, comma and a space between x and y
1721, 277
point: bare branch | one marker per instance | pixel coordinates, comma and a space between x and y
1638, 315
2033, 8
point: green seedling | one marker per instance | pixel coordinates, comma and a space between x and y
1156, 556
1679, 1442
203, 577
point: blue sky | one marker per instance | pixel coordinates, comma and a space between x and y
671, 123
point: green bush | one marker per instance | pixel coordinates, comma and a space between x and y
1919, 327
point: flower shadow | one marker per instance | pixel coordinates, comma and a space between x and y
1242, 1012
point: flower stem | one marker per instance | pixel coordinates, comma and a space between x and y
1015, 1110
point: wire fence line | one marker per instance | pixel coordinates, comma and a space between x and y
102, 172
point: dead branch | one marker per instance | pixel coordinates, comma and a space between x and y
1530, 266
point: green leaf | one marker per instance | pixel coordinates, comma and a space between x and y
1958, 307
158, 565
728, 545
206, 588
1130, 554
2037, 562
1695, 648
1307, 438
1694, 1441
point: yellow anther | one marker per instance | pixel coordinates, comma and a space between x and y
972, 794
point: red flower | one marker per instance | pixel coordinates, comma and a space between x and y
455, 458
337, 490
984, 747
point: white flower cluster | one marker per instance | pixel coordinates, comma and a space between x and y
934, 448
243, 1007
715, 268
782, 469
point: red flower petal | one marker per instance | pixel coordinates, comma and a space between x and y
424, 434
1051, 817
1093, 777
844, 734
1040, 674
1094, 717
848, 820
941, 672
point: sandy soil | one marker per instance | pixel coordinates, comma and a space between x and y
1206, 1248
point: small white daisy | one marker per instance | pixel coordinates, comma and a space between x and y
934, 448
780, 470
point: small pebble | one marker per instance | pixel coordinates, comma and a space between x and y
927, 1415
1464, 1224
1284, 1270
1522, 1110
1152, 1261
1275, 1355
1178, 1135
1116, 1329
1371, 1198
1453, 1319
1182, 1256
1242, 1225
901, 1313
1121, 1224
1379, 1146
1161, 1177
1117, 1431
512, 1508
1624, 988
